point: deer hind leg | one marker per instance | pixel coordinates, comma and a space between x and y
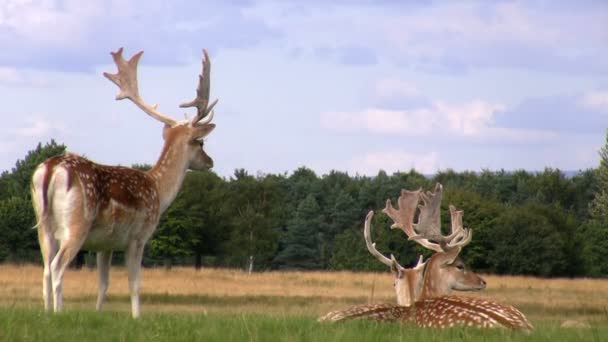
104, 260
133, 257
72, 226
67, 253
46, 240
48, 248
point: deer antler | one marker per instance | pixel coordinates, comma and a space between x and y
201, 102
126, 80
429, 221
403, 217
371, 246
462, 236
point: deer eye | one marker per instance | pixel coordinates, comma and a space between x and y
460, 267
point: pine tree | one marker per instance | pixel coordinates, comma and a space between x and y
302, 238
599, 206
595, 231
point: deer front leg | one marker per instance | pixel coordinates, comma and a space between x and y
104, 259
133, 256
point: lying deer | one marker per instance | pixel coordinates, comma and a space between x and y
429, 284
445, 265
83, 205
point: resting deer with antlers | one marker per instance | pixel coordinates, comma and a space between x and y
83, 205
448, 272
423, 294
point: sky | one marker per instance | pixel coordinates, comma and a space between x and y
356, 86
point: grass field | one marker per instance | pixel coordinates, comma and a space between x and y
224, 305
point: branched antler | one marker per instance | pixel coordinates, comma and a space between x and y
201, 102
429, 221
427, 232
126, 80
403, 217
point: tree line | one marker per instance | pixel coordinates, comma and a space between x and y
533, 223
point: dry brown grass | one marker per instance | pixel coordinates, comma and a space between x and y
310, 293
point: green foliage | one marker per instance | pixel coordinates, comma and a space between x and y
594, 232
595, 248
599, 205
532, 239
303, 238
18, 241
254, 212
540, 223
17, 181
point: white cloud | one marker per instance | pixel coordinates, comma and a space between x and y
393, 161
10, 76
467, 119
17, 77
380, 121
470, 120
396, 88
596, 99
502, 134
441, 36
38, 127
58, 23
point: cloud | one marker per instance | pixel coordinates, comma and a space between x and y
580, 113
38, 127
10, 76
393, 161
76, 36
15, 77
466, 119
596, 99
431, 36
389, 88
450, 36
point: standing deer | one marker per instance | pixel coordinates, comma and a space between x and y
443, 272
83, 205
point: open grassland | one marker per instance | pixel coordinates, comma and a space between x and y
182, 303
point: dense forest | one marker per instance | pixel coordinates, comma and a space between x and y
535, 223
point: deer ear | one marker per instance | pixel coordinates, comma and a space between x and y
396, 269
202, 131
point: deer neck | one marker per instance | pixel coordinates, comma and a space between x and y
168, 174
434, 284
408, 294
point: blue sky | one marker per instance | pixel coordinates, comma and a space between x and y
355, 86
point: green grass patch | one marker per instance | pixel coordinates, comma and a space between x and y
21, 324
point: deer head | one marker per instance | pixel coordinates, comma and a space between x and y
444, 271
406, 281
182, 138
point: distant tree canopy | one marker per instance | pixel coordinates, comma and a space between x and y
18, 241
536, 223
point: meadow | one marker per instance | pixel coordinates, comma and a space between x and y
225, 305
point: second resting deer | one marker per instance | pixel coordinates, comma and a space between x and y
423, 291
